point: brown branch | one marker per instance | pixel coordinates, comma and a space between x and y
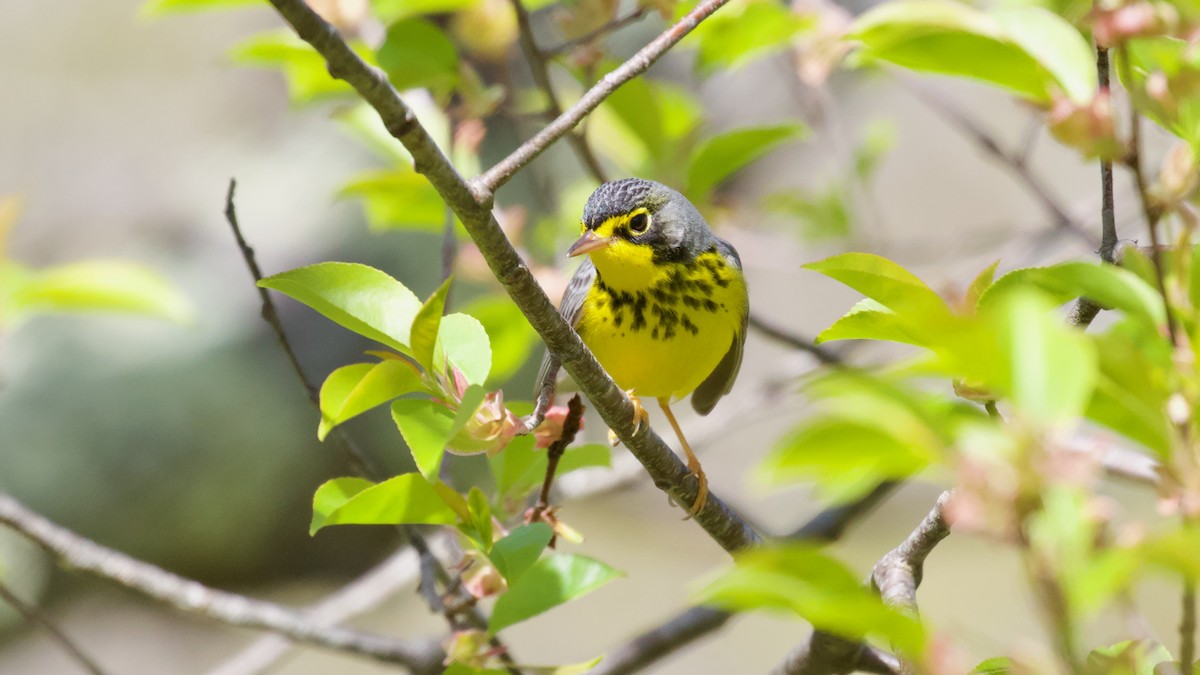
33, 615
1086, 309
196, 599
541, 77
824, 653
1187, 628
770, 330
498, 175
898, 573
610, 27
472, 204
695, 622
1013, 161
360, 595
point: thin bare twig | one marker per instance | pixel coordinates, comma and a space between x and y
1013, 161
610, 27
1187, 627
197, 599
358, 596
767, 329
541, 77
34, 615
488, 182
1086, 309
472, 204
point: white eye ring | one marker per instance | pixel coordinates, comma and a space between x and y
639, 223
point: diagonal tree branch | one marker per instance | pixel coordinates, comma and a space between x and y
898, 573
472, 205
32, 614
499, 174
197, 599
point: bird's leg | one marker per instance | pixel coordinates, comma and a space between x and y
693, 462
641, 419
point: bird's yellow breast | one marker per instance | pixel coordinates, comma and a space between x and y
666, 334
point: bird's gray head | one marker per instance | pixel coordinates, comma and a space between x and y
646, 213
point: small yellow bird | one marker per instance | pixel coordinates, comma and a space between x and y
661, 301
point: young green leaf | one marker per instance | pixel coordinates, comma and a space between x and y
389, 11
425, 328
481, 517
405, 499
397, 199
980, 284
354, 296
869, 320
1052, 367
462, 341
101, 286
1026, 50
997, 665
887, 283
511, 337
1132, 657
304, 69
352, 390
416, 53
426, 427
1109, 285
747, 32
722, 155
547, 584
804, 580
157, 8
516, 553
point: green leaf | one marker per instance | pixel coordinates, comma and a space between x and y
463, 342
1026, 50
635, 107
416, 53
397, 199
1055, 44
157, 8
869, 320
511, 337
1131, 657
1053, 368
547, 584
980, 284
354, 296
389, 11
521, 467
843, 456
805, 581
425, 328
406, 499
997, 665
352, 390
1111, 286
885, 282
720, 156
304, 69
364, 124
481, 517
98, 286
516, 553
748, 31
571, 669
426, 427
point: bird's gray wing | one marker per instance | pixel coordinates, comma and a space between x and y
570, 308
720, 381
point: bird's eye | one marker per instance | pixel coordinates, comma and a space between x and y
639, 223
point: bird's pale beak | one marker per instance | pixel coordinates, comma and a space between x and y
590, 241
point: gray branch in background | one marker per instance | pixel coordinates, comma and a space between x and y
898, 573
472, 204
34, 615
196, 599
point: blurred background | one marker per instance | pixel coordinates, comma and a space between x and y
192, 446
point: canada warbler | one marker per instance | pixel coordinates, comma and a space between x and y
661, 301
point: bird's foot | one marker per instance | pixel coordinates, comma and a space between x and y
701, 487
641, 419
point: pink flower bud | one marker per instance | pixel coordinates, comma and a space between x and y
489, 430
